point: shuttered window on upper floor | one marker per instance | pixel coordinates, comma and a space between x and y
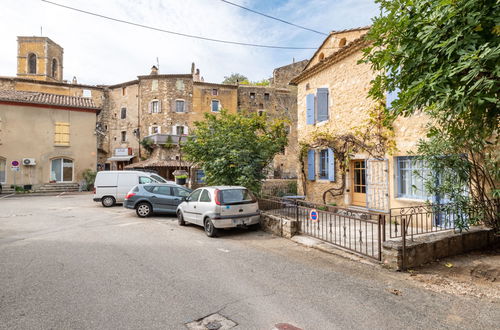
322, 104
61, 135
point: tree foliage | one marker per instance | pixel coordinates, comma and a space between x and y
234, 78
234, 149
443, 58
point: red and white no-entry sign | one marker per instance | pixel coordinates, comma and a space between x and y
313, 215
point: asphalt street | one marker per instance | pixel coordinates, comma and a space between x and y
68, 263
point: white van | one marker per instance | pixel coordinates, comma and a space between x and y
110, 187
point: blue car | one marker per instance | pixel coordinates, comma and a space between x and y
150, 198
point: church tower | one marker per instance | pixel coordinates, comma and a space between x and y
39, 58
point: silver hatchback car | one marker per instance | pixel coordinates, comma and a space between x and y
219, 207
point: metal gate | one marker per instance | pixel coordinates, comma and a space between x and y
377, 178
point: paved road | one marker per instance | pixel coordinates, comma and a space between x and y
68, 263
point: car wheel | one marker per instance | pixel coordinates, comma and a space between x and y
108, 201
143, 210
210, 230
180, 219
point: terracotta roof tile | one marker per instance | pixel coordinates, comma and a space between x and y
49, 99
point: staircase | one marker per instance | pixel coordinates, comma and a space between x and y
57, 187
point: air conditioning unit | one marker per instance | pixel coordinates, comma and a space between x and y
29, 161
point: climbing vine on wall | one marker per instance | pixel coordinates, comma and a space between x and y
374, 137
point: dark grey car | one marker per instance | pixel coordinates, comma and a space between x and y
151, 198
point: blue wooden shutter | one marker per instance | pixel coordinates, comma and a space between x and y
311, 175
322, 96
331, 165
310, 109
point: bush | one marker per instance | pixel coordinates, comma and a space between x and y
89, 177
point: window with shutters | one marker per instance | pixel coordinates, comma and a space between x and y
215, 92
322, 104
61, 136
266, 96
311, 165
154, 106
323, 164
123, 113
179, 106
310, 109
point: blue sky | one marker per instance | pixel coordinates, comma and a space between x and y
98, 51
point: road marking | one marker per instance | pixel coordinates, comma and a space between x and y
7, 196
223, 250
61, 194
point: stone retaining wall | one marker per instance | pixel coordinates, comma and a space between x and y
278, 226
427, 248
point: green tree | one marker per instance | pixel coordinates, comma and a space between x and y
234, 149
235, 78
443, 58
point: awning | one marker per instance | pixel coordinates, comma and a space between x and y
120, 158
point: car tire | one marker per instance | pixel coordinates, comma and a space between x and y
210, 230
108, 201
143, 209
180, 219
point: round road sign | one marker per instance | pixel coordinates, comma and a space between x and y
15, 163
313, 215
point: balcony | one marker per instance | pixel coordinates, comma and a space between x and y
170, 138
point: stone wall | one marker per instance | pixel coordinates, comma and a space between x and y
278, 226
123, 96
427, 248
283, 75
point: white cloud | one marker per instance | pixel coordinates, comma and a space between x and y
99, 51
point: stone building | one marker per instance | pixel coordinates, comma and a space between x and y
159, 107
277, 100
333, 105
51, 137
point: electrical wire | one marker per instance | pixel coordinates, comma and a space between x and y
173, 32
274, 18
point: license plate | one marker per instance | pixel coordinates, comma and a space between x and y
238, 221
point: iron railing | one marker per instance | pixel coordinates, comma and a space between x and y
357, 231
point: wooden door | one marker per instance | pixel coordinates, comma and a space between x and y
358, 179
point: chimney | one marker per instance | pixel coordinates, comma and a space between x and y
196, 76
192, 68
154, 70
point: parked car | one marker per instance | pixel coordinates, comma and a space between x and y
151, 198
219, 207
110, 187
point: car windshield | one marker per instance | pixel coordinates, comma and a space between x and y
158, 178
236, 196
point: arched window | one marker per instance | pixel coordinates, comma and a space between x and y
321, 56
32, 63
342, 42
61, 170
54, 68
3, 167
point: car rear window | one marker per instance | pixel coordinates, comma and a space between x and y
236, 196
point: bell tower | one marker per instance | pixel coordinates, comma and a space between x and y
39, 58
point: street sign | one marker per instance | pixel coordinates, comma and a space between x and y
14, 168
15, 163
313, 215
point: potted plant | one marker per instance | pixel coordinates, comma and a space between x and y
180, 177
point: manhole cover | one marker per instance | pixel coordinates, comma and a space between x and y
212, 322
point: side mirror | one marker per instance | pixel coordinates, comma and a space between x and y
185, 199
